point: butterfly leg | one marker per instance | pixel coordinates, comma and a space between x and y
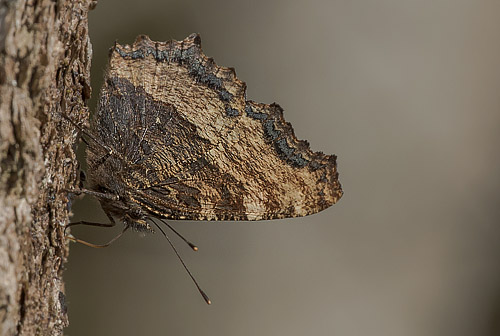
79, 191
85, 131
111, 224
89, 224
76, 240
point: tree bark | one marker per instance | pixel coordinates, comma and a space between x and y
45, 56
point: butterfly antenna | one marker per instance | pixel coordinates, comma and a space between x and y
193, 246
205, 296
87, 133
110, 151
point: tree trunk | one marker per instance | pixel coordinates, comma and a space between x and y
45, 56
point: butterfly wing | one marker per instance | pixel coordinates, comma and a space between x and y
193, 147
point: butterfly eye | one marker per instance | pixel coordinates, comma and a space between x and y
104, 190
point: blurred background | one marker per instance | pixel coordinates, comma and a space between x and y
406, 93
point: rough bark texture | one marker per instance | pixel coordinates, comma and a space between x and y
45, 57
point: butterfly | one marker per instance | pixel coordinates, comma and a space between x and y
174, 137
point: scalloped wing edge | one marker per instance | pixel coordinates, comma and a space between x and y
230, 89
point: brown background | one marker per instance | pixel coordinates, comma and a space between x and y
406, 93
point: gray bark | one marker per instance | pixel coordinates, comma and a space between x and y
45, 56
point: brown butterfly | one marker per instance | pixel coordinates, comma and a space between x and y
175, 138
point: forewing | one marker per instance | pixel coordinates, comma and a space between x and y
193, 147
